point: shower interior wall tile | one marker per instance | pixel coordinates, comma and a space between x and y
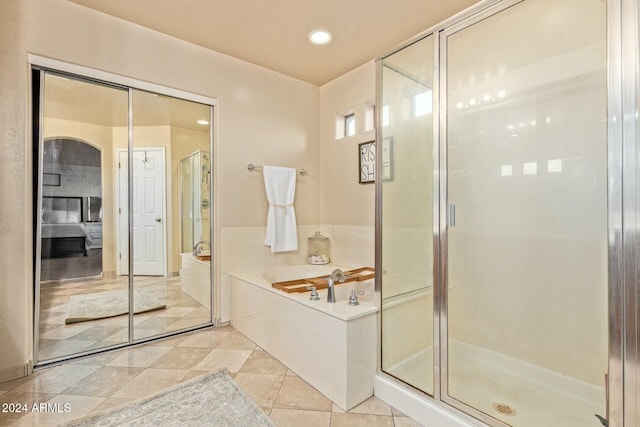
411, 320
407, 259
558, 270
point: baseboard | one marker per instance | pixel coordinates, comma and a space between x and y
16, 372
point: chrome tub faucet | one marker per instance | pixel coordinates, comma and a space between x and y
338, 275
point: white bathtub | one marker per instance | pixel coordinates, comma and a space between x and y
331, 346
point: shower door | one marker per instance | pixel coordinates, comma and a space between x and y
194, 200
186, 203
524, 106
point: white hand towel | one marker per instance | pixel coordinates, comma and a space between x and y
280, 185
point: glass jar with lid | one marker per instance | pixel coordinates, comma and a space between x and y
318, 249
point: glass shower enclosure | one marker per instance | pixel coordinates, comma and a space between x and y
493, 227
195, 177
407, 215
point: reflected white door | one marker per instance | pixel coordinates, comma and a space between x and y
148, 212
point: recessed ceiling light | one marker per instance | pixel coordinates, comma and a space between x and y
320, 37
203, 122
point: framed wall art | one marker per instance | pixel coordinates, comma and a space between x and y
367, 162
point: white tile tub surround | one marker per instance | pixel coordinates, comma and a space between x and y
243, 249
195, 275
331, 346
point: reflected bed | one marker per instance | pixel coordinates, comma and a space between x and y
62, 240
63, 233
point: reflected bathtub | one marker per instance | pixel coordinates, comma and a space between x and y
195, 274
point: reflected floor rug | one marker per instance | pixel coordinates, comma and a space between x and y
213, 399
109, 304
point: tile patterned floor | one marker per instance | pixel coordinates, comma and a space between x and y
57, 339
103, 381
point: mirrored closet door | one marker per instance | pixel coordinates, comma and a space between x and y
113, 263
166, 131
76, 218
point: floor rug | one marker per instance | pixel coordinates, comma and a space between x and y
109, 304
213, 399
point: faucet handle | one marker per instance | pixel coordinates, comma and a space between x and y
314, 293
353, 299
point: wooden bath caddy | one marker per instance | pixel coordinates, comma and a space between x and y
322, 282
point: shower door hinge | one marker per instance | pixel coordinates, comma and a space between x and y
451, 215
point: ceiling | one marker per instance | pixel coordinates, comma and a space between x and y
273, 33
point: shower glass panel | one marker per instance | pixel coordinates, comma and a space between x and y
407, 151
77, 289
174, 285
186, 204
526, 144
195, 174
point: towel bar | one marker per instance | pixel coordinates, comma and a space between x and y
255, 168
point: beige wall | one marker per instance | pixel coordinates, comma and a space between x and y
15, 220
344, 201
257, 123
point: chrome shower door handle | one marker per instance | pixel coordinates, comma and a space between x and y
451, 215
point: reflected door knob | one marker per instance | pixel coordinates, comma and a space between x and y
158, 219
